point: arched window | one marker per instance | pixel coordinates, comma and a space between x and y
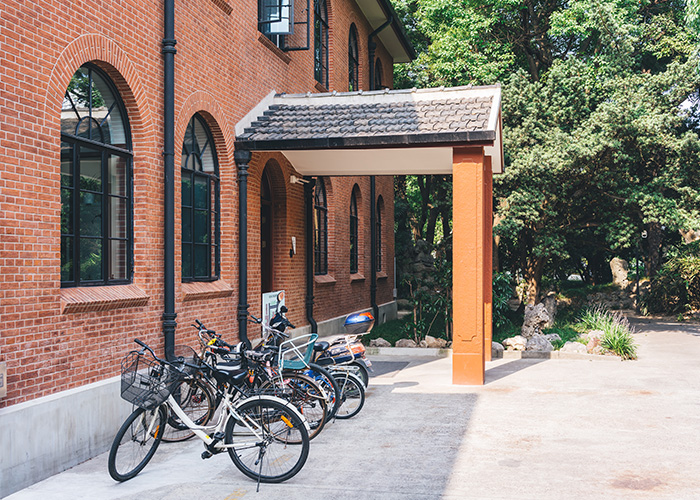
321, 228
199, 203
96, 162
378, 229
354, 243
321, 42
378, 70
353, 61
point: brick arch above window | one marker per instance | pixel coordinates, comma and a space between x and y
114, 61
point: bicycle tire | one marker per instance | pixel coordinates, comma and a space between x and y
198, 403
305, 394
282, 458
353, 395
363, 372
136, 442
328, 384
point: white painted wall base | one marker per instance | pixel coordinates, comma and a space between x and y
51, 434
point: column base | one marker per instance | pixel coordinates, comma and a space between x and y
467, 369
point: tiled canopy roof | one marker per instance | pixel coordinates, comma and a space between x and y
381, 118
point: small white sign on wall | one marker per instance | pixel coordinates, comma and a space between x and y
271, 303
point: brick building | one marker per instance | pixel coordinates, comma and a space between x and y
84, 248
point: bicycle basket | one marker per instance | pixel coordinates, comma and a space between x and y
145, 383
293, 356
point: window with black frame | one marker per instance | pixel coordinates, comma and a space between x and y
354, 223
276, 19
96, 200
378, 75
200, 203
379, 253
353, 61
321, 42
321, 228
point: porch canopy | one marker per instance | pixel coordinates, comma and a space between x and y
399, 132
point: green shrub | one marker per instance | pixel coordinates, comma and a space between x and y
617, 332
676, 288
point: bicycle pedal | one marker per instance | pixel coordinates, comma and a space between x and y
206, 454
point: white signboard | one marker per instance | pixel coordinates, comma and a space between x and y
271, 303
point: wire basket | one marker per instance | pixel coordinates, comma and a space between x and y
145, 382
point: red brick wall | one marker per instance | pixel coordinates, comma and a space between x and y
222, 70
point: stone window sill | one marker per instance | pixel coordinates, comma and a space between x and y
324, 279
205, 290
357, 277
101, 298
320, 87
381, 275
274, 48
224, 5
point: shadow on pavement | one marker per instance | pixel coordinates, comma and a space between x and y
506, 369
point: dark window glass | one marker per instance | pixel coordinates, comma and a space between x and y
96, 205
321, 42
353, 233
353, 61
320, 228
378, 70
199, 203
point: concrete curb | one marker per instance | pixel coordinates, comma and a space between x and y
409, 351
443, 353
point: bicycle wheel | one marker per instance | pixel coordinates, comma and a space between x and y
196, 400
329, 385
352, 395
362, 372
305, 394
136, 442
269, 441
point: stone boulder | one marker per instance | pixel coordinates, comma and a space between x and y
517, 343
405, 343
550, 303
379, 342
536, 318
552, 337
576, 347
539, 343
435, 343
620, 268
496, 350
423, 344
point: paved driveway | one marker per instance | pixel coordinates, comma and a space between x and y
538, 429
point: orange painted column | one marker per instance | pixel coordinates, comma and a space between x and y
469, 207
488, 257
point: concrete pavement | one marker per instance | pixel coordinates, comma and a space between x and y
538, 429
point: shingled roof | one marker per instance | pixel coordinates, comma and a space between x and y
372, 119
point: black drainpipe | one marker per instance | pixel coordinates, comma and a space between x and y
169, 51
373, 247
309, 206
242, 158
372, 45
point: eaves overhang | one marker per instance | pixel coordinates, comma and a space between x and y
394, 38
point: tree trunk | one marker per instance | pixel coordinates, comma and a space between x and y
654, 238
533, 277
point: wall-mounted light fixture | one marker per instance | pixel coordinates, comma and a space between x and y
293, 179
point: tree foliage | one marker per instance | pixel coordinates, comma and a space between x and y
600, 108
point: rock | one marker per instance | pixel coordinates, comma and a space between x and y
619, 268
592, 334
379, 342
448, 345
539, 343
517, 343
536, 318
552, 337
422, 343
405, 343
577, 347
514, 304
496, 350
593, 346
550, 303
435, 343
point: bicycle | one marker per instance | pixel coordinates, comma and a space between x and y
266, 437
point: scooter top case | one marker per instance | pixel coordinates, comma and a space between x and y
359, 323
